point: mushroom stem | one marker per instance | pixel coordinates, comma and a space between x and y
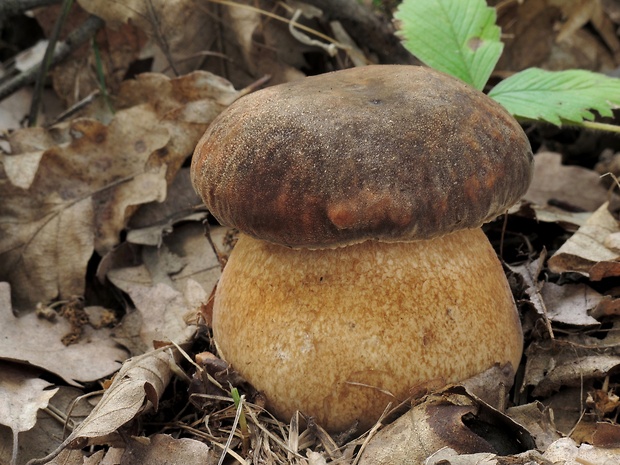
338, 334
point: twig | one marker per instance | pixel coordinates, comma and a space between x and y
367, 29
159, 36
10, 8
46, 63
62, 51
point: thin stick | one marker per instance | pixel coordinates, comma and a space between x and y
10, 8
47, 61
62, 51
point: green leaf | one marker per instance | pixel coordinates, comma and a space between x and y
557, 96
454, 36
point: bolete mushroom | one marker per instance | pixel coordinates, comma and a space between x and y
361, 272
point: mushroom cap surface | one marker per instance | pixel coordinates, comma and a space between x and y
384, 152
339, 334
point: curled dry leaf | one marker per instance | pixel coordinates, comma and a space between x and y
586, 251
138, 385
451, 418
170, 287
36, 341
551, 366
538, 421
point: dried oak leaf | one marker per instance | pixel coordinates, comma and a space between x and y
48, 431
551, 366
574, 186
22, 394
172, 283
452, 418
162, 449
137, 386
71, 189
36, 341
571, 304
589, 251
182, 29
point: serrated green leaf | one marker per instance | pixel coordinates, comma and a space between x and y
557, 96
454, 36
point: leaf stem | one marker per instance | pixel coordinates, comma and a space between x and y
593, 125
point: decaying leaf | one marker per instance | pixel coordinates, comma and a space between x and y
551, 366
530, 28
50, 428
451, 418
71, 189
586, 252
566, 451
154, 220
170, 287
22, 394
37, 341
538, 421
137, 386
570, 186
571, 304
162, 449
181, 29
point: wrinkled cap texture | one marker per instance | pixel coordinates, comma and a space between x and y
385, 152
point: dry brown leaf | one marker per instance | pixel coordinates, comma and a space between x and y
155, 220
549, 369
37, 341
22, 394
162, 449
168, 289
530, 28
77, 202
76, 77
49, 429
448, 456
581, 12
71, 189
164, 312
137, 386
570, 221
586, 251
179, 28
573, 186
538, 421
578, 14
567, 452
570, 304
439, 422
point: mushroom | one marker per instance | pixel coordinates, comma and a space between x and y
361, 273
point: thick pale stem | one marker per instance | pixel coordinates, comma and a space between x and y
338, 334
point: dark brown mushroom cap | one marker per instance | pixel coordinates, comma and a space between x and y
386, 152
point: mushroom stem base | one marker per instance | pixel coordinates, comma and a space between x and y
339, 334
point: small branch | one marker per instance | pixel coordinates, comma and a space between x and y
369, 30
62, 51
10, 8
592, 125
47, 61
